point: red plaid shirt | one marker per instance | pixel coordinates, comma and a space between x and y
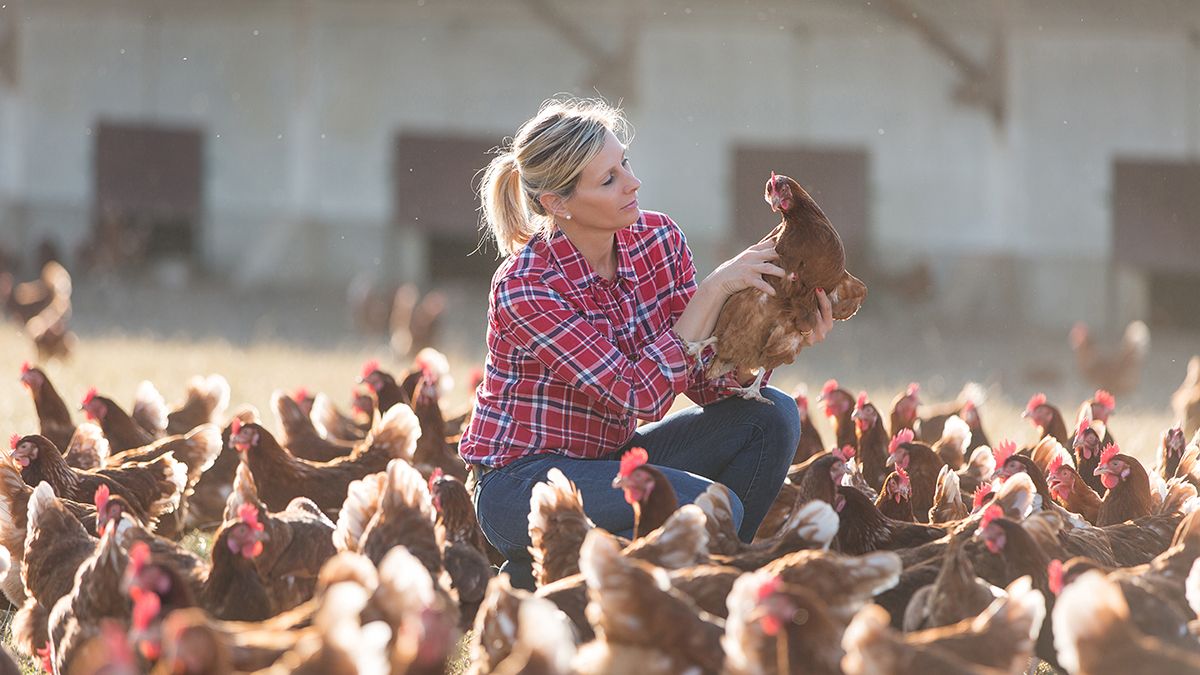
574, 360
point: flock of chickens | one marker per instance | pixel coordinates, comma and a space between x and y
348, 543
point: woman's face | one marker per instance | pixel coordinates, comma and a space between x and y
605, 197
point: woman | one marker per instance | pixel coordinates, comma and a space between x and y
595, 321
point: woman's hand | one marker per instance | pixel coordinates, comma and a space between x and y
824, 322
746, 270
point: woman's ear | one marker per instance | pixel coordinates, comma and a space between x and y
554, 205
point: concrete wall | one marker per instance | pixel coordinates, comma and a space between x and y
300, 102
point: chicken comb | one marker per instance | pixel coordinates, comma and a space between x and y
1036, 401
1055, 572
1111, 450
13, 440
845, 453
981, 495
433, 477
632, 460
904, 436
100, 499
248, 514
89, 396
369, 367
300, 395
969, 405
992, 513
1084, 425
44, 655
26, 367
1003, 450
139, 555
831, 385
862, 400
914, 388
801, 401
768, 588
146, 606
1105, 399
1055, 464
236, 427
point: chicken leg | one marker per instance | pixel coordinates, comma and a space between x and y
753, 391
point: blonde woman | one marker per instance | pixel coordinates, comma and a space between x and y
595, 321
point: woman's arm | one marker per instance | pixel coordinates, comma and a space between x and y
746, 270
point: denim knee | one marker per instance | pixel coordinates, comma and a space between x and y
781, 422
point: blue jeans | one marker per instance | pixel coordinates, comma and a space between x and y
745, 445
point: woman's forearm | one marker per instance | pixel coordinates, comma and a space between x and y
699, 318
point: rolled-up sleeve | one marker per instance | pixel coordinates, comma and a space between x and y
559, 337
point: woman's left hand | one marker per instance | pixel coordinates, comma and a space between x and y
824, 321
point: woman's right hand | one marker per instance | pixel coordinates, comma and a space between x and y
746, 270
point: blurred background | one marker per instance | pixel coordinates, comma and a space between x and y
272, 172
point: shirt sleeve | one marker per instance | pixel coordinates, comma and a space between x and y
701, 389
538, 319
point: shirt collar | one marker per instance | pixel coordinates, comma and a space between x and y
577, 269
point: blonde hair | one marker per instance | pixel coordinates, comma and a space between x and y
545, 157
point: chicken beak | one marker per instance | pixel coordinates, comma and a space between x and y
891, 460
1025, 414
1101, 470
618, 483
856, 415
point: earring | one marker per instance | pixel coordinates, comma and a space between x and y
568, 216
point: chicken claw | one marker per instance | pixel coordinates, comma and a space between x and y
696, 349
753, 392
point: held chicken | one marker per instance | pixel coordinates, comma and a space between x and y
760, 332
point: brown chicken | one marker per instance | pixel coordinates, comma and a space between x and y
759, 331
205, 403
955, 595
904, 409
96, 594
557, 528
50, 333
810, 439
948, 505
1071, 492
433, 452
120, 428
54, 418
1128, 484
387, 391
872, 445
923, 466
637, 621
280, 477
952, 446
862, 528
1185, 402
463, 550
1119, 372
894, 499
931, 419
1047, 418
1172, 447
1095, 636
23, 301
152, 488
775, 627
338, 425
383, 510
1087, 445
647, 490
206, 505
300, 436
545, 643
839, 407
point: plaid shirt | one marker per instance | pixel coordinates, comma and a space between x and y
575, 360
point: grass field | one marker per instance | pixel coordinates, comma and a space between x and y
264, 342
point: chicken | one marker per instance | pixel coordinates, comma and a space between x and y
809, 526
1047, 418
456, 515
948, 504
54, 419
281, 477
496, 625
637, 615
300, 436
759, 331
26, 300
894, 499
388, 509
234, 589
872, 442
50, 333
931, 421
978, 471
1100, 406
955, 595
298, 541
423, 617
844, 582
325, 415
14, 498
432, 449
1009, 464
1087, 445
1001, 638
810, 439
1094, 635
839, 406
463, 551
88, 448
206, 504
923, 466
863, 528
1185, 402
904, 409
121, 430
152, 488
1128, 486
545, 643
647, 490
387, 391
1119, 372
557, 528
1171, 449
56, 544
1071, 492
779, 628
952, 446
96, 594
207, 398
